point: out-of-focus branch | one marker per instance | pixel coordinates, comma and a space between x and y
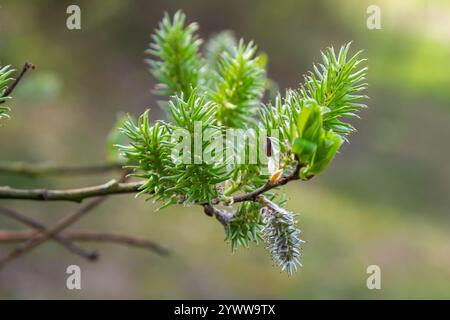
89, 255
64, 223
33, 170
89, 236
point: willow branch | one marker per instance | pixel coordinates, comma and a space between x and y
89, 236
76, 195
115, 187
252, 196
89, 255
33, 170
225, 217
26, 67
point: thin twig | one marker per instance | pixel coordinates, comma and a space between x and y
33, 242
251, 196
33, 170
76, 195
89, 255
89, 236
224, 217
16, 81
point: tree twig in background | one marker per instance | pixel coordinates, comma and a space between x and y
89, 255
89, 236
33, 170
64, 223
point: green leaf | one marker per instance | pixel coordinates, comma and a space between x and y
309, 130
309, 122
330, 144
304, 148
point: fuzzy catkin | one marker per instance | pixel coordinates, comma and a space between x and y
282, 237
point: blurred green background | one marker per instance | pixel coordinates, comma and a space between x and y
385, 199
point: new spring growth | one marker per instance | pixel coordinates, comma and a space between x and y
207, 93
314, 146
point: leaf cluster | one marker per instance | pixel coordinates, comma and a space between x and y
231, 74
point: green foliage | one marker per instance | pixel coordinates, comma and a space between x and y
182, 177
240, 86
195, 179
224, 41
327, 147
309, 119
282, 116
149, 152
315, 147
309, 129
177, 64
195, 109
335, 85
207, 96
246, 225
5, 78
232, 74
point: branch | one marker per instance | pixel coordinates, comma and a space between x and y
252, 196
115, 187
223, 216
44, 236
89, 255
100, 192
89, 236
16, 81
77, 195
33, 170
